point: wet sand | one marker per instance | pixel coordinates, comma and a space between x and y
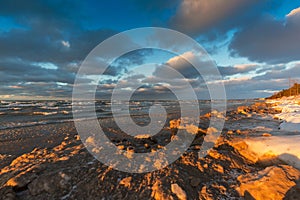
50, 162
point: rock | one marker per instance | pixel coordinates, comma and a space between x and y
121, 147
243, 110
266, 135
204, 194
130, 149
64, 158
195, 181
239, 145
7, 193
242, 148
270, 183
298, 186
248, 196
207, 115
77, 137
180, 193
175, 123
215, 154
292, 194
146, 145
50, 183
22, 180
211, 130
269, 159
126, 182
218, 168
158, 192
190, 128
198, 140
250, 156
202, 131
196, 147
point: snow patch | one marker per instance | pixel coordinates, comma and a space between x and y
290, 114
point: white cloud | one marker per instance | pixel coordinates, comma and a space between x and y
65, 43
294, 12
179, 59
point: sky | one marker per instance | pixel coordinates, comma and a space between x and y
255, 45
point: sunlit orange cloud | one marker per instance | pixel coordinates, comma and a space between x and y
294, 12
15, 87
245, 66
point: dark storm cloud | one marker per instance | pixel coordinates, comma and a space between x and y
136, 57
184, 68
44, 47
37, 89
98, 65
51, 32
195, 17
269, 40
237, 69
48, 31
292, 72
22, 71
114, 70
40, 30
108, 81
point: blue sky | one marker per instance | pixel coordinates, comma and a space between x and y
254, 43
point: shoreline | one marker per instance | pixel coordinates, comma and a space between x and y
61, 168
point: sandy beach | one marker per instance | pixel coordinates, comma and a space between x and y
52, 163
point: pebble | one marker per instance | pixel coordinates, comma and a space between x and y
130, 149
297, 188
195, 182
266, 135
77, 137
180, 193
126, 181
121, 147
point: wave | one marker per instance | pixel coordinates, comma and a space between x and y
44, 113
65, 112
14, 125
49, 107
